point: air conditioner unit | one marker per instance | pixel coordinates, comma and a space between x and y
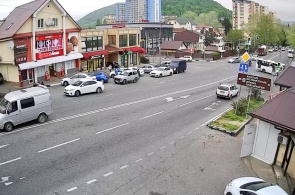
282, 139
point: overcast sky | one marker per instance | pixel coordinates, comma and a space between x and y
79, 8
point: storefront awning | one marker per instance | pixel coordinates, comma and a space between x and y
87, 55
136, 49
29, 65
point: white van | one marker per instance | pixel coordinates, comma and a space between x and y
268, 66
25, 105
291, 53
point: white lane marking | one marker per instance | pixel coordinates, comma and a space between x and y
108, 174
44, 150
72, 189
172, 142
3, 146
116, 106
4, 179
22, 178
152, 115
136, 90
138, 160
162, 82
77, 101
8, 183
162, 147
10, 161
189, 132
110, 94
124, 167
91, 181
181, 137
216, 117
150, 154
196, 100
112, 128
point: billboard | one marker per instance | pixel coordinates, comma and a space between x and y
254, 81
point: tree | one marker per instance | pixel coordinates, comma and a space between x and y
98, 22
209, 19
190, 15
291, 36
235, 36
209, 38
227, 25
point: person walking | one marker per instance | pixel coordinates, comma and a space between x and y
110, 68
138, 73
101, 64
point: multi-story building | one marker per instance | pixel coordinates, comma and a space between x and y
243, 9
109, 19
136, 11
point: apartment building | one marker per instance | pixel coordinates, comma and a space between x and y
243, 9
109, 19
121, 13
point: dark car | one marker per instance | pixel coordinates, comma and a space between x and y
178, 66
1, 79
100, 75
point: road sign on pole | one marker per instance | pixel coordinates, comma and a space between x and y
243, 67
245, 57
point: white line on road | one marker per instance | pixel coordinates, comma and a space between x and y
91, 181
111, 128
3, 146
108, 174
138, 160
58, 145
181, 137
72, 189
196, 100
152, 115
150, 154
216, 116
116, 106
10, 161
189, 132
124, 167
162, 147
110, 94
172, 142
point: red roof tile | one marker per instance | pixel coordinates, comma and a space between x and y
187, 36
171, 45
287, 78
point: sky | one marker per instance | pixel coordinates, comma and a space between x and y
79, 8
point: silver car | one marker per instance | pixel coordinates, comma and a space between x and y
148, 68
126, 77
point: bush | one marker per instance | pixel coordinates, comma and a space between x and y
144, 60
215, 53
256, 94
241, 106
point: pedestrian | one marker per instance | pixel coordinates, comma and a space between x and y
110, 68
116, 71
101, 65
138, 73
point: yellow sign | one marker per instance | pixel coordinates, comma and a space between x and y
245, 57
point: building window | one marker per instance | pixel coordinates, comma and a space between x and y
132, 40
41, 23
54, 22
112, 39
92, 43
122, 40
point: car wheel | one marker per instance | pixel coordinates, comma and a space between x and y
66, 83
8, 127
135, 80
170, 74
77, 93
230, 97
112, 76
176, 71
228, 193
160, 75
98, 90
42, 118
263, 70
124, 82
184, 70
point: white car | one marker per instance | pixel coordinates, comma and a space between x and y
75, 78
270, 50
84, 86
227, 91
141, 71
187, 58
252, 186
148, 68
161, 71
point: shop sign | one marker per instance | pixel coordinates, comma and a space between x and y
21, 47
49, 46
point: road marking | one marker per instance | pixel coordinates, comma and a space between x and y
172, 142
181, 137
112, 128
196, 100
110, 94
108, 174
189, 132
91, 181
124, 167
116, 106
22, 178
3, 146
59, 145
8, 183
4, 179
162, 147
10, 161
162, 82
150, 154
72, 189
152, 115
216, 117
138, 160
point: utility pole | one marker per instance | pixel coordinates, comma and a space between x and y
146, 44
239, 49
160, 43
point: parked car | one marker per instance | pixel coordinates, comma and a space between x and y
100, 75
186, 58
1, 79
148, 68
75, 78
283, 49
253, 186
126, 77
161, 71
178, 66
234, 60
84, 86
141, 71
270, 50
227, 91
25, 105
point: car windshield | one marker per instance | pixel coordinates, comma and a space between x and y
224, 88
174, 64
160, 69
78, 83
3, 105
255, 186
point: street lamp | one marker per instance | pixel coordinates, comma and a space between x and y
160, 39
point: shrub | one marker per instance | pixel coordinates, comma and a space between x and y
256, 94
241, 106
144, 60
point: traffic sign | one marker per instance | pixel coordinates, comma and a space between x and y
254, 81
243, 67
245, 57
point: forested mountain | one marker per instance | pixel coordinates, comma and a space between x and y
179, 7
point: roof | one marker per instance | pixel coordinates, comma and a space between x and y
177, 30
26, 92
171, 45
112, 48
182, 20
187, 36
18, 17
278, 111
286, 78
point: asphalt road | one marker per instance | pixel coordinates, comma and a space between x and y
143, 138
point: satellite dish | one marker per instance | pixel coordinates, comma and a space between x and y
10, 45
49, 22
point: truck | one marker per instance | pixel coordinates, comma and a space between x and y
262, 50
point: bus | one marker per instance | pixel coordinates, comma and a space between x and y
268, 66
290, 53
